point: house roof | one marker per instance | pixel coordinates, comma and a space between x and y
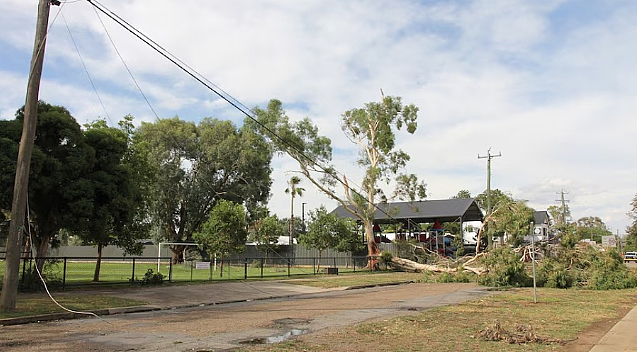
541, 217
426, 211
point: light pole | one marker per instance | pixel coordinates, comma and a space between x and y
303, 216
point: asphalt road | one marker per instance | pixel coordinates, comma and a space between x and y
227, 326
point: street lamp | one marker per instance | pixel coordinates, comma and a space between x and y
303, 216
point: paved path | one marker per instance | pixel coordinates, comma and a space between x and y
622, 337
226, 326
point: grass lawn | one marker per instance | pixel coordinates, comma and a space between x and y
561, 314
79, 273
35, 304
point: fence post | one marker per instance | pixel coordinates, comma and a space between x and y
64, 275
191, 271
170, 270
353, 263
245, 269
314, 265
289, 263
132, 278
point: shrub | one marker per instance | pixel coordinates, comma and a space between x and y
30, 280
554, 274
504, 269
607, 271
152, 278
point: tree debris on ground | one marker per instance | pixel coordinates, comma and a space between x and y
523, 334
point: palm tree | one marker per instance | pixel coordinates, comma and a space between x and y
294, 190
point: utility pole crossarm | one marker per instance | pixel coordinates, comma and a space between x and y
8, 299
489, 156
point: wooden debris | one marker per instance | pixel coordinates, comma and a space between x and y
523, 334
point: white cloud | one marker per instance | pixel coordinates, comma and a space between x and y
550, 84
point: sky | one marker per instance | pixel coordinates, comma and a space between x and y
549, 85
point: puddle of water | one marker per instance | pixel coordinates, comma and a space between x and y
273, 339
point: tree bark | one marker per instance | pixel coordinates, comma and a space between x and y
98, 263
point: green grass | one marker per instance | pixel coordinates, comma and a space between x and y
80, 273
32, 304
561, 314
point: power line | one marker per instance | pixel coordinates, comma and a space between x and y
219, 92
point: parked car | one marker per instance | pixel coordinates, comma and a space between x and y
630, 257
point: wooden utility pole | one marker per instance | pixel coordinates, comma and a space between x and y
489, 157
18, 206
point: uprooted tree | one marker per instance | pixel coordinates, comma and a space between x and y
373, 129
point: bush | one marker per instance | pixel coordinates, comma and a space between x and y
607, 271
504, 269
151, 278
554, 274
30, 280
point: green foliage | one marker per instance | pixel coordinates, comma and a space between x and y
568, 237
326, 230
591, 227
225, 231
195, 166
386, 257
504, 269
57, 188
30, 280
607, 271
460, 276
152, 278
510, 217
631, 231
554, 274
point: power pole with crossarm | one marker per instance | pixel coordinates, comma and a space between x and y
8, 299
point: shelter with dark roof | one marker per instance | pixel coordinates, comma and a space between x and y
425, 211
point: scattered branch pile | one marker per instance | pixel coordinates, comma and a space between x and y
523, 334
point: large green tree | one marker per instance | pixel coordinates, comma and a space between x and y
592, 228
196, 166
57, 188
373, 129
114, 204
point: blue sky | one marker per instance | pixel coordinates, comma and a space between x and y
550, 84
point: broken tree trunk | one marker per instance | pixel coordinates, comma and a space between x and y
409, 265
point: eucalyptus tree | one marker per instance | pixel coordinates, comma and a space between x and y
509, 217
196, 166
373, 129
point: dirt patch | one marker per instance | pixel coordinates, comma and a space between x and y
589, 337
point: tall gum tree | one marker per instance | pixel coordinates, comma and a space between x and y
196, 166
373, 129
